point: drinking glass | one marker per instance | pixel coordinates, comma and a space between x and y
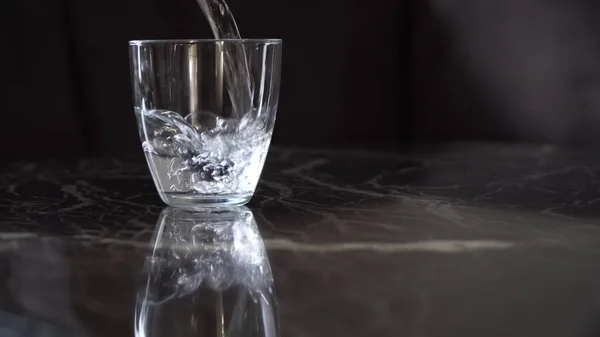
205, 111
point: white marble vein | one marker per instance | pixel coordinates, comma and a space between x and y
437, 246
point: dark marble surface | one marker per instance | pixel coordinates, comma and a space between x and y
460, 240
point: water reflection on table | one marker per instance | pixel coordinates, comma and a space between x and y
207, 274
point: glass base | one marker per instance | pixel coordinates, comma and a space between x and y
193, 200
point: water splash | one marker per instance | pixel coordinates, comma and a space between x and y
226, 159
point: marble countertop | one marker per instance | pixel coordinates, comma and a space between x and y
458, 240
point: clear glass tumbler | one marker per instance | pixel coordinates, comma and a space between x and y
206, 111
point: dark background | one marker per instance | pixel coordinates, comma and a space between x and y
381, 73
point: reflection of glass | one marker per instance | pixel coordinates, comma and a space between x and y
208, 275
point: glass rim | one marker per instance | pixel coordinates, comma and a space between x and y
197, 41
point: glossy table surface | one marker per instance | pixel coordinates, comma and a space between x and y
458, 240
